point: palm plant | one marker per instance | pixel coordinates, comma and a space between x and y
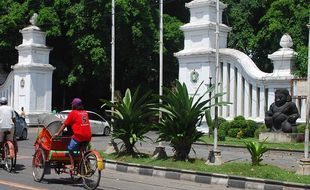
129, 116
257, 150
180, 114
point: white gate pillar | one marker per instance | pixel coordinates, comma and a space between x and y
33, 74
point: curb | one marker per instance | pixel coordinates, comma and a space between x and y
204, 177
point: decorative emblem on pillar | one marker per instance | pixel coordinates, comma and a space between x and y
22, 83
194, 76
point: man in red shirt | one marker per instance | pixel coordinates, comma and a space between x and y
78, 120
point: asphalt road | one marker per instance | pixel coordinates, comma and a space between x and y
111, 180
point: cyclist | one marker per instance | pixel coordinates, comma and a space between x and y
7, 120
79, 122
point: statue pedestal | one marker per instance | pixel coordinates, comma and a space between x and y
280, 137
112, 148
304, 167
160, 152
215, 158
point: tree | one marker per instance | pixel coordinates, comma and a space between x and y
257, 27
295, 15
79, 32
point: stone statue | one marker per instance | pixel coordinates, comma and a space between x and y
282, 114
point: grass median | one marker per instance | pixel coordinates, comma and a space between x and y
240, 142
230, 168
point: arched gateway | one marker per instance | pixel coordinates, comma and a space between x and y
249, 89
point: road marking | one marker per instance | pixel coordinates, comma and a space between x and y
18, 185
23, 157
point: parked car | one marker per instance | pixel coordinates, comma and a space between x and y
98, 124
21, 127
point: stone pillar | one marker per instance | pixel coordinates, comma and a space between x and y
240, 91
283, 59
262, 102
255, 103
33, 74
225, 89
247, 99
232, 91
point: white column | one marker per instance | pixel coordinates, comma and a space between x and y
220, 80
303, 109
225, 87
270, 97
255, 102
240, 91
247, 100
261, 102
232, 92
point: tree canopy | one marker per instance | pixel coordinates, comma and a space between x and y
80, 33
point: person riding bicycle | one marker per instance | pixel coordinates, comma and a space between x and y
79, 122
7, 121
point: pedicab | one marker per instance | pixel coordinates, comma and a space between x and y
51, 153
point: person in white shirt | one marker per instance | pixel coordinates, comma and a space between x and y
7, 119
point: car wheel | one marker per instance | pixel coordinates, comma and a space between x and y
24, 134
106, 131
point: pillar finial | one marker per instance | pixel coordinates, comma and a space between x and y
286, 41
34, 19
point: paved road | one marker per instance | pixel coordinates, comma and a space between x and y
111, 180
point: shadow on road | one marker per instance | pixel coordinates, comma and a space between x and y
19, 167
66, 181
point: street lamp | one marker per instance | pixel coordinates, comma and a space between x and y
215, 157
304, 164
112, 147
161, 49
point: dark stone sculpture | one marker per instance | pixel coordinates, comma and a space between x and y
282, 114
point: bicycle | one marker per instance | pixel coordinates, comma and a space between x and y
8, 152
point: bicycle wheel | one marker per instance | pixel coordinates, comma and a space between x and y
38, 165
89, 171
8, 159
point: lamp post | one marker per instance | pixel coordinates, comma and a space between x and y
161, 49
306, 149
304, 164
215, 157
112, 147
113, 51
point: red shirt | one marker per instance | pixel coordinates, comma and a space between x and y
78, 120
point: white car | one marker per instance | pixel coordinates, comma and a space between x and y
99, 126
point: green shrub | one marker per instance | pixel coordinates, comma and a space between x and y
239, 117
245, 128
232, 132
221, 135
240, 134
221, 120
251, 126
301, 128
261, 128
238, 124
225, 126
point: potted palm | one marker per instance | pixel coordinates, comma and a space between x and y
129, 118
180, 115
